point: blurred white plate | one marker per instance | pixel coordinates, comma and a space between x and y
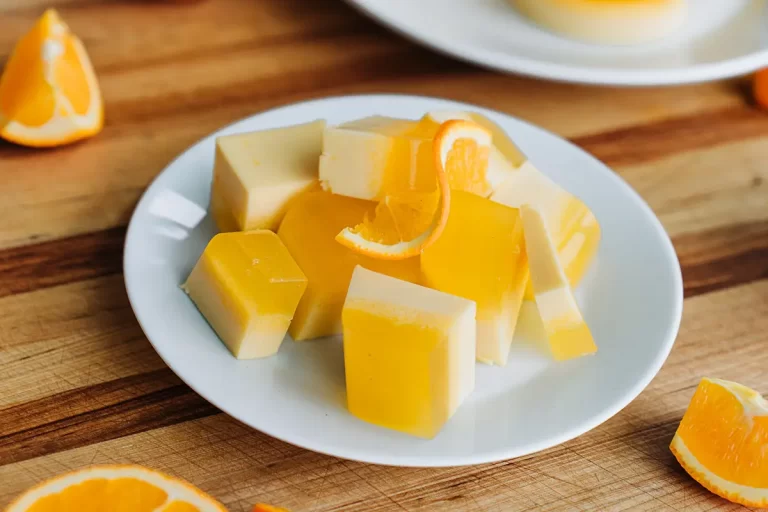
723, 38
632, 299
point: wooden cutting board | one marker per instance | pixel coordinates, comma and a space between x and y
80, 384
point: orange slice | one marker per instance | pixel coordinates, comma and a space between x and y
116, 488
402, 225
48, 92
463, 149
406, 224
503, 161
722, 441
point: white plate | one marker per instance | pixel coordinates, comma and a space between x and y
722, 39
632, 300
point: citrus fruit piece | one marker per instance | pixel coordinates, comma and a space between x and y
610, 22
402, 225
760, 88
117, 489
405, 224
263, 507
49, 95
463, 150
722, 441
504, 160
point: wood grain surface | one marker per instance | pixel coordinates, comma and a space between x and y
80, 384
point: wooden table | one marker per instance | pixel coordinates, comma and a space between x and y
80, 384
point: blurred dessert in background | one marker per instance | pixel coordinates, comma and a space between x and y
616, 22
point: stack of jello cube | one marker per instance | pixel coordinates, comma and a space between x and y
417, 240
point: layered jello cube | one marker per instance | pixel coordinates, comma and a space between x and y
309, 232
247, 287
567, 332
257, 174
409, 353
481, 256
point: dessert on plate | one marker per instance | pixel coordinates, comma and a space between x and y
418, 241
617, 22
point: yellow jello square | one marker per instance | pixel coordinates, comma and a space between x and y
256, 175
247, 286
309, 232
481, 256
409, 353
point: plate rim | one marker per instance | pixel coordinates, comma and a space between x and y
501, 454
533, 68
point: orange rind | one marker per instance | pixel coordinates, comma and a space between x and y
117, 488
722, 441
404, 225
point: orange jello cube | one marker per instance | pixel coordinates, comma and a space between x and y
481, 256
308, 231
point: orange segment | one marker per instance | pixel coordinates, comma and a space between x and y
722, 441
69, 77
21, 95
469, 161
402, 218
115, 488
48, 92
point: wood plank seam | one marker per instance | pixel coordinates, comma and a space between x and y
32, 267
164, 407
652, 141
63, 261
333, 33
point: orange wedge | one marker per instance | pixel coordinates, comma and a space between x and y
722, 441
261, 507
760, 88
115, 488
48, 92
